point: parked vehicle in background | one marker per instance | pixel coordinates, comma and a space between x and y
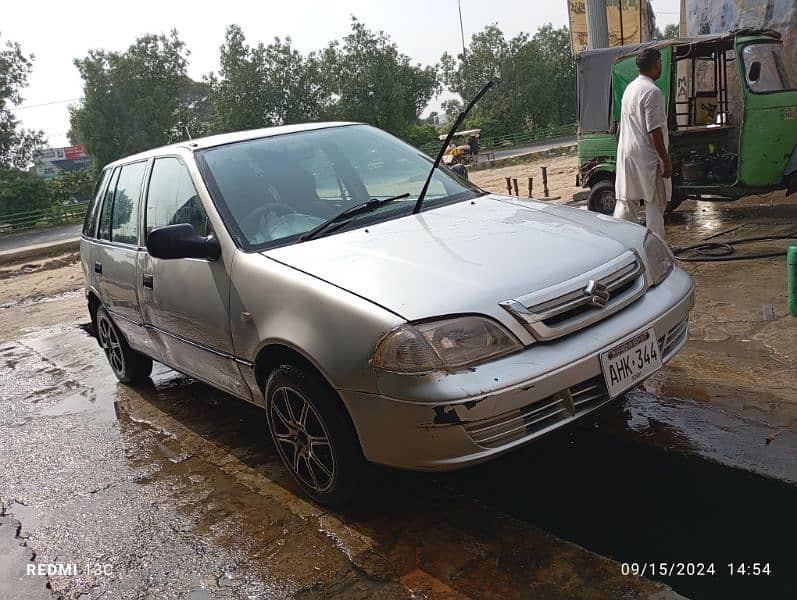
285, 266
464, 149
732, 103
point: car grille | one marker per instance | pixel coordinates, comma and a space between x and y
538, 416
567, 307
673, 339
545, 414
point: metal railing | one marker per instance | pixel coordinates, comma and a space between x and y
44, 217
514, 139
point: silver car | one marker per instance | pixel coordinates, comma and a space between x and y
286, 267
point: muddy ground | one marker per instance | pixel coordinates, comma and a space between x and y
171, 490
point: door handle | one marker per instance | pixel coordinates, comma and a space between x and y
98, 267
147, 281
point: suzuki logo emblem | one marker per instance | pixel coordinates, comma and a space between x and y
597, 293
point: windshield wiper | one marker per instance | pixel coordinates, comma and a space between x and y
449, 137
347, 214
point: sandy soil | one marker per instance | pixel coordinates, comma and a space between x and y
39, 293
562, 172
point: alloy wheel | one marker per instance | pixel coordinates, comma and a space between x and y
302, 439
109, 341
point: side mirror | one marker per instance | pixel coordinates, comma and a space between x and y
182, 241
754, 74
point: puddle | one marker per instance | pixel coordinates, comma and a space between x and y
641, 503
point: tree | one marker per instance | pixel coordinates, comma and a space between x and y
671, 31
263, 85
536, 77
21, 191
17, 145
133, 100
369, 80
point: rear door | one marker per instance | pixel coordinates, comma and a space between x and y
185, 301
117, 252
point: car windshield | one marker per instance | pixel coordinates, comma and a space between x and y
773, 73
271, 190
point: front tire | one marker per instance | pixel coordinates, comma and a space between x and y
128, 365
602, 198
312, 434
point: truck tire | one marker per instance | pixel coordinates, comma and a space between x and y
601, 197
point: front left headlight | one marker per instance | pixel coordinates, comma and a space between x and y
448, 344
659, 257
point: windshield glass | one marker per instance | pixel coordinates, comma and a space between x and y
271, 190
766, 70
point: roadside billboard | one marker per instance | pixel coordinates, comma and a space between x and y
51, 161
630, 22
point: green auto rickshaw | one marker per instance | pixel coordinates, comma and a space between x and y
731, 101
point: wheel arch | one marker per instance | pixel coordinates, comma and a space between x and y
275, 354
602, 172
94, 303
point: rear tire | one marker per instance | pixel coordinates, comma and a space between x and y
312, 434
128, 365
602, 198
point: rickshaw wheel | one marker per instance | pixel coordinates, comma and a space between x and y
601, 197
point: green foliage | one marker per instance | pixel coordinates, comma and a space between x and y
71, 186
536, 75
420, 133
17, 145
21, 191
369, 80
670, 32
263, 85
134, 100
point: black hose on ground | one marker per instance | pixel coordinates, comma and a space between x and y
723, 251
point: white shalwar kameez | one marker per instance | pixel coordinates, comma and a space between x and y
638, 165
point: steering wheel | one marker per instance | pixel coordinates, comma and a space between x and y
254, 218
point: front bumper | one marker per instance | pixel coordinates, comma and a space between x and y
449, 421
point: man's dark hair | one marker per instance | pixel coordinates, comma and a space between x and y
647, 58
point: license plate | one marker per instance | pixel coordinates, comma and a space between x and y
630, 361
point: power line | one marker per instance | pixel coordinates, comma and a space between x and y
45, 104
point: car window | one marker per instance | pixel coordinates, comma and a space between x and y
90, 223
271, 190
124, 215
172, 197
104, 232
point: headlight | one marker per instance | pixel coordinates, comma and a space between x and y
443, 345
659, 257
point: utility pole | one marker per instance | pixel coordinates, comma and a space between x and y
597, 25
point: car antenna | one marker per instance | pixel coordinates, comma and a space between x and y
450, 135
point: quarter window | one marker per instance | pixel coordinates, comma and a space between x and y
172, 198
104, 232
92, 214
124, 215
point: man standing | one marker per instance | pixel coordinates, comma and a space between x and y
643, 163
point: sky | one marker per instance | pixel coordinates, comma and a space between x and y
57, 32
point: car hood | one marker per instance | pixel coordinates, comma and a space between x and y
463, 258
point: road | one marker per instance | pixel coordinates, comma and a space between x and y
540, 146
12, 241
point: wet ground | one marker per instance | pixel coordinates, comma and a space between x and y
171, 490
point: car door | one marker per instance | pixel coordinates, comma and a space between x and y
117, 252
185, 301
